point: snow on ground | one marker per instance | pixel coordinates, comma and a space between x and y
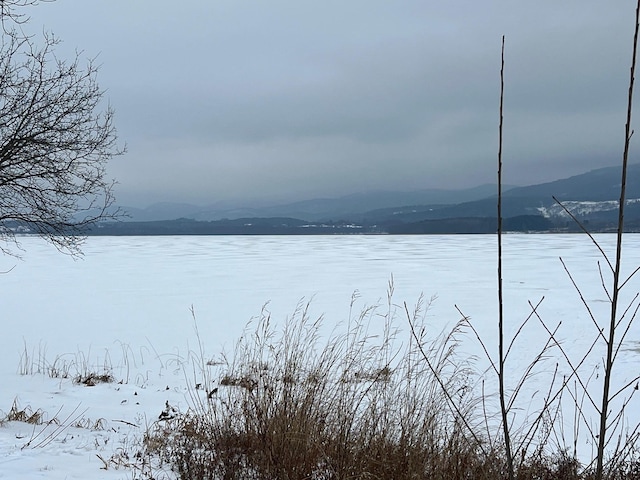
126, 307
95, 428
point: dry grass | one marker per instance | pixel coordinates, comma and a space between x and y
26, 415
365, 402
77, 366
290, 404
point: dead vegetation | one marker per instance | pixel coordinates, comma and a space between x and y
368, 403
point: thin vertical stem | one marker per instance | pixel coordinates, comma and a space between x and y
503, 403
616, 273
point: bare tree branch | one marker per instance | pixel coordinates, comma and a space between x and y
56, 137
12, 13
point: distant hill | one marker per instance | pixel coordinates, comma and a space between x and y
319, 209
591, 197
595, 185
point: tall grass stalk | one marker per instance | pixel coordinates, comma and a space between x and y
501, 353
613, 321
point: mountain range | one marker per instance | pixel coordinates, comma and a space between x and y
591, 197
319, 209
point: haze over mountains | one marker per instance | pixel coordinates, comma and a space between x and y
318, 209
591, 197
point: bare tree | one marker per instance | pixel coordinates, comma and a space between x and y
10, 10
56, 137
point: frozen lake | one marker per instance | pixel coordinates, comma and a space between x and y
139, 290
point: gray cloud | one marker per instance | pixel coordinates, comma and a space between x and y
243, 101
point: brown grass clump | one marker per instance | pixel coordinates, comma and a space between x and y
362, 404
25, 415
368, 403
91, 379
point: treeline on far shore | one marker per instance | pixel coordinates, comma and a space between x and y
292, 226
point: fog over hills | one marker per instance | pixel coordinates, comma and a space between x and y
600, 185
596, 185
314, 209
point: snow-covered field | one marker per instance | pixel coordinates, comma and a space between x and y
127, 306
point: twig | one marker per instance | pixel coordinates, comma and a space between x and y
467, 321
444, 388
584, 302
604, 411
127, 423
584, 230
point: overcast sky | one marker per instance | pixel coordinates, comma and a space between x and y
238, 101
